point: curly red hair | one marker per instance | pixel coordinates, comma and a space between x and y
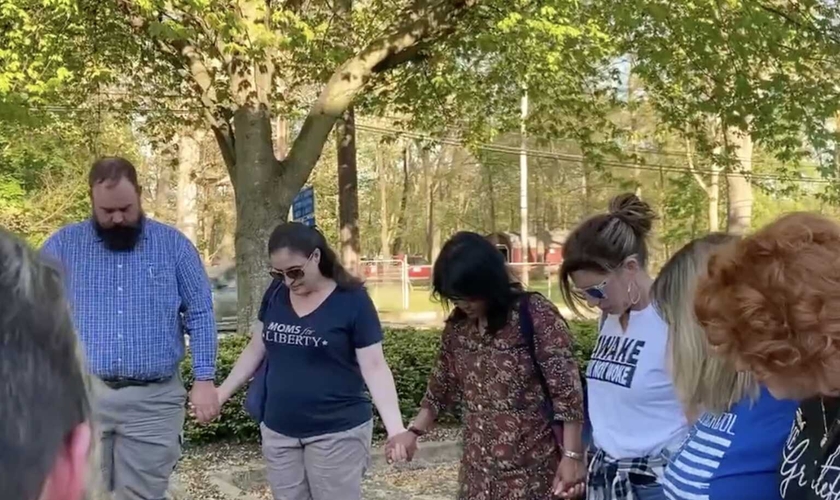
772, 301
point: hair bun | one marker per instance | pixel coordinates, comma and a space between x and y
634, 212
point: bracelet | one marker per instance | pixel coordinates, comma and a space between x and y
417, 432
574, 456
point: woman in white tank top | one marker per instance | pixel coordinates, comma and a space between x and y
635, 414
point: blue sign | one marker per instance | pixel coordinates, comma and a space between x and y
303, 207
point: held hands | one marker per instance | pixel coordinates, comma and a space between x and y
204, 401
401, 447
570, 479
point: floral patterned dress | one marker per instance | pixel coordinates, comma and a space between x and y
510, 451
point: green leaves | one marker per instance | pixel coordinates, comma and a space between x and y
742, 62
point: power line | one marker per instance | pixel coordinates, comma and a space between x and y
513, 150
647, 151
493, 148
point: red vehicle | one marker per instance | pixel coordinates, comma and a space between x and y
419, 269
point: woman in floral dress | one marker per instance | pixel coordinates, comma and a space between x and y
522, 409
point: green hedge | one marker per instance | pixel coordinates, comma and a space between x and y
411, 355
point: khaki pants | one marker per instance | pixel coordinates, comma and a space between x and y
140, 432
328, 467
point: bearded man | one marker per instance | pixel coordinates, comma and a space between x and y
136, 286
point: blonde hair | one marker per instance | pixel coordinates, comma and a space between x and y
703, 381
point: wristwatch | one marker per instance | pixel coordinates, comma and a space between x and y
417, 432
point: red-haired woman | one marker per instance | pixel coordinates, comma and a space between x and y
771, 305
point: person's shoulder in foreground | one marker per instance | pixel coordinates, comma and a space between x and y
45, 408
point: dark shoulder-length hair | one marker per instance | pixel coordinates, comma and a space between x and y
470, 267
304, 240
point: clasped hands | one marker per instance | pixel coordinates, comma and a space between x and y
569, 480
401, 447
205, 401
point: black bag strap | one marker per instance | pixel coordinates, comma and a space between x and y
526, 324
602, 321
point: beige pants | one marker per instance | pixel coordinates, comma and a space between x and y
140, 437
328, 467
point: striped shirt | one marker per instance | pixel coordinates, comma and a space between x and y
132, 309
733, 455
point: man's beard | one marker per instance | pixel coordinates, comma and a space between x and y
120, 238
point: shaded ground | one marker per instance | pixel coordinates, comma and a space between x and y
420, 480
416, 481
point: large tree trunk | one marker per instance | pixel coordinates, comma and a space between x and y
264, 188
348, 182
262, 202
740, 189
189, 157
401, 220
348, 192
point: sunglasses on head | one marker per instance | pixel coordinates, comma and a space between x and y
294, 273
595, 292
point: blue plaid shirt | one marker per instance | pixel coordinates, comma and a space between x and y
131, 309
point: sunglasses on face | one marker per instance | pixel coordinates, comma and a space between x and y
595, 292
294, 273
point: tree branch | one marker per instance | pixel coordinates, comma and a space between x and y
798, 23
186, 55
425, 22
411, 54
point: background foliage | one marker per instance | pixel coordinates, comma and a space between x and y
411, 354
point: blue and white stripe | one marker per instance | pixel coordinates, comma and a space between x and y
692, 468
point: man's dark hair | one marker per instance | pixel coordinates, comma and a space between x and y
112, 169
43, 393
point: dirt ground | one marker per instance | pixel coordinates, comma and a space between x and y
419, 480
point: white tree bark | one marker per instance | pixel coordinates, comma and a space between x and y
189, 158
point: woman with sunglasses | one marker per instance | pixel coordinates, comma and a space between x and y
322, 340
634, 412
506, 357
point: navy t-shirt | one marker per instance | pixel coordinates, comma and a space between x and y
314, 385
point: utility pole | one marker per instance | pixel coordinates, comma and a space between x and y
523, 191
